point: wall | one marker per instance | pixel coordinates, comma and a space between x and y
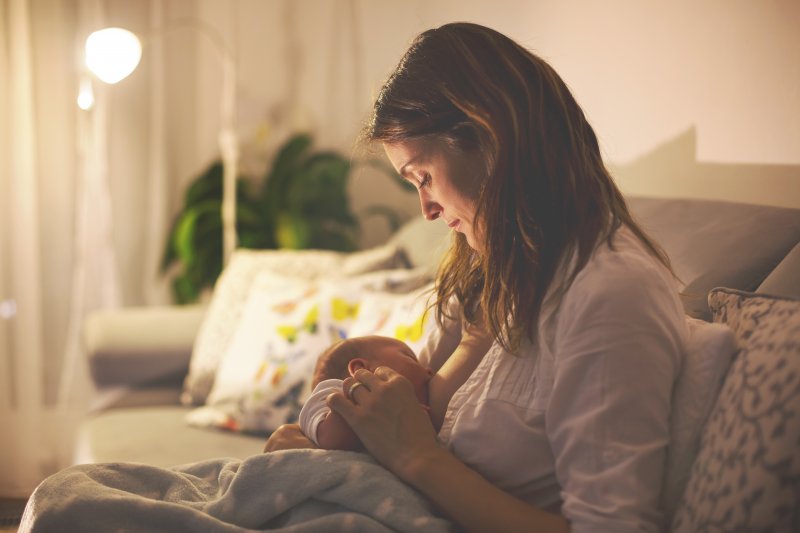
689, 98
698, 99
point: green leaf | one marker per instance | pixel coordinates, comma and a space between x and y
293, 232
302, 202
288, 160
170, 255
184, 236
207, 186
184, 290
334, 239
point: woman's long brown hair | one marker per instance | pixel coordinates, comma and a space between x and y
547, 200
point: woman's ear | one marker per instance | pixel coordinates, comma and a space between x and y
356, 364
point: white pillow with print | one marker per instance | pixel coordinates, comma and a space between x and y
233, 288
265, 374
402, 316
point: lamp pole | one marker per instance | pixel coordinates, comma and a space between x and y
113, 54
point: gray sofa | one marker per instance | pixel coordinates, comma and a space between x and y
139, 357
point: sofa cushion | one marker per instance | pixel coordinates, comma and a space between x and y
141, 346
156, 436
709, 351
747, 473
718, 244
785, 279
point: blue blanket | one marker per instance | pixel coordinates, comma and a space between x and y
286, 491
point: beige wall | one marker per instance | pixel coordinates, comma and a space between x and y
689, 98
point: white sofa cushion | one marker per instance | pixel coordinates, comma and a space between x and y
709, 351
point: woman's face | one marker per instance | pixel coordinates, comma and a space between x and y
446, 179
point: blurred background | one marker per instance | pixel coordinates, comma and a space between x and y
688, 98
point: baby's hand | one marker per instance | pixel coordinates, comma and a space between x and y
288, 437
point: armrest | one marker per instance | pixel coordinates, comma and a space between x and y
141, 345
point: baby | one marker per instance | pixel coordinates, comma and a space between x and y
328, 430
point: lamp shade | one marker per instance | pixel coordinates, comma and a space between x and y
112, 54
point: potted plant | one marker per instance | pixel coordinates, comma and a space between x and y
301, 203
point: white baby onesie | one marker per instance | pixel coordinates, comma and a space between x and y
315, 409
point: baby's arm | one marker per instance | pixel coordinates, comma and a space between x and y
333, 433
325, 428
475, 342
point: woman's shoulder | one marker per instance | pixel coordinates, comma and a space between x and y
622, 274
621, 261
623, 297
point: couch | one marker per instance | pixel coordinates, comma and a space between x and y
139, 359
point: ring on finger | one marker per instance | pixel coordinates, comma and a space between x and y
353, 387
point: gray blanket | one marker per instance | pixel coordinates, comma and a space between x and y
288, 491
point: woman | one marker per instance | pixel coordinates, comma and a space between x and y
564, 423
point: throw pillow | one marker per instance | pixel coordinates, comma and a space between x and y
265, 375
785, 278
747, 473
403, 316
232, 288
709, 351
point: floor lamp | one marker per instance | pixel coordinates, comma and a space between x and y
114, 53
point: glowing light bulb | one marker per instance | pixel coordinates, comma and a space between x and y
112, 54
86, 95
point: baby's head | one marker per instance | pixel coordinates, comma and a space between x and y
343, 358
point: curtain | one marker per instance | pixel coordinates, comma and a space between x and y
57, 259
86, 198
23, 328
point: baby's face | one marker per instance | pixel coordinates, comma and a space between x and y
385, 351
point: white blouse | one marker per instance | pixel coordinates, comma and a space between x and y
579, 424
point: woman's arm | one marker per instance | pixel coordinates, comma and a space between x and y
475, 504
617, 351
398, 433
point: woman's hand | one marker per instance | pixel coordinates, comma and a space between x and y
383, 410
288, 437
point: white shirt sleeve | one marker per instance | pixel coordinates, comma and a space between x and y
315, 409
619, 338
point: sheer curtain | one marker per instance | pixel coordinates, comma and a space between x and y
85, 202
86, 197
56, 255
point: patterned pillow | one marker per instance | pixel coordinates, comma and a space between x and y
403, 316
233, 287
264, 376
747, 473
